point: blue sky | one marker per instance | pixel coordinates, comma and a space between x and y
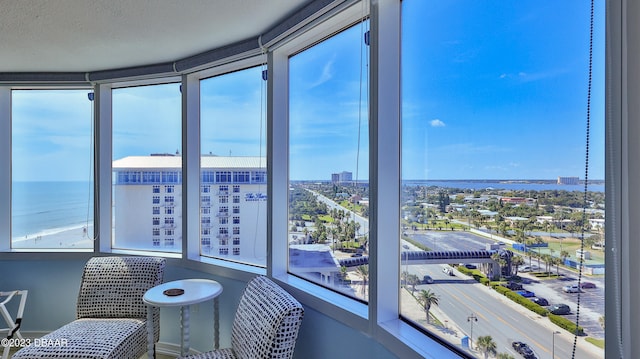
491, 89
497, 89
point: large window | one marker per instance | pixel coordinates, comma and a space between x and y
51, 169
146, 158
233, 145
494, 110
328, 163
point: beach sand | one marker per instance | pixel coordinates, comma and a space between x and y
75, 238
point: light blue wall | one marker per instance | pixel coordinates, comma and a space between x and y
53, 289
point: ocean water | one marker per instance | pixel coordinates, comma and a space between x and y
541, 185
43, 208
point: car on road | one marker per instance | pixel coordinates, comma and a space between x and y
512, 285
573, 288
524, 350
527, 268
560, 309
469, 266
587, 285
540, 301
427, 279
448, 270
526, 293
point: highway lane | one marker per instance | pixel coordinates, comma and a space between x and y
592, 300
497, 316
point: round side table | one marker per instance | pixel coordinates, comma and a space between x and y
182, 293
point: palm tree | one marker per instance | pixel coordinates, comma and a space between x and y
505, 356
427, 298
516, 261
564, 255
413, 280
486, 345
363, 271
557, 261
498, 259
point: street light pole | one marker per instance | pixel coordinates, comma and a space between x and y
472, 318
553, 344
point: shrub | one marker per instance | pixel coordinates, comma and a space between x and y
526, 303
565, 323
500, 289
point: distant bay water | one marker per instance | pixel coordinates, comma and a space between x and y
522, 185
44, 208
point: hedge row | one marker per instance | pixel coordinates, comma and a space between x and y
526, 303
566, 324
467, 271
556, 319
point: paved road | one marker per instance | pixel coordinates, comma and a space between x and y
460, 297
591, 300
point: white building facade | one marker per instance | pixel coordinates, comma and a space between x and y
147, 207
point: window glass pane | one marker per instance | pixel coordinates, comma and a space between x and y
494, 98
147, 168
328, 159
233, 143
52, 178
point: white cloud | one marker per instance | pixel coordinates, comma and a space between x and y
437, 123
327, 73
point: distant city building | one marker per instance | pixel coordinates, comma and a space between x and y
517, 200
596, 223
341, 177
568, 180
148, 204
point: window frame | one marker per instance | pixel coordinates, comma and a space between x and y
402, 340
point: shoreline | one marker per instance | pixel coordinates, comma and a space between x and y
76, 237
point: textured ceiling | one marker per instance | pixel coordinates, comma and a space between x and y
93, 35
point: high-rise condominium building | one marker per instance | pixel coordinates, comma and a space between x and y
342, 177
148, 205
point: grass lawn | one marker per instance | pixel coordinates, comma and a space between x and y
571, 245
597, 342
326, 218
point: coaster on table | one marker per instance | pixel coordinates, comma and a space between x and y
173, 292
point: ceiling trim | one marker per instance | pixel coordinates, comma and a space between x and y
243, 49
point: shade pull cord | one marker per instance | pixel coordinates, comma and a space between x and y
586, 180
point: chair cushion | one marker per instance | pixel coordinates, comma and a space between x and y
112, 287
91, 339
226, 353
267, 321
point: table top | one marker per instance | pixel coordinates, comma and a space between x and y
195, 291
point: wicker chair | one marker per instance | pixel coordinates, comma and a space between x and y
111, 317
265, 326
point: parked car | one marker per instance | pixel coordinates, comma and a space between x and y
512, 285
573, 288
427, 279
560, 309
527, 268
525, 293
587, 285
540, 301
448, 270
